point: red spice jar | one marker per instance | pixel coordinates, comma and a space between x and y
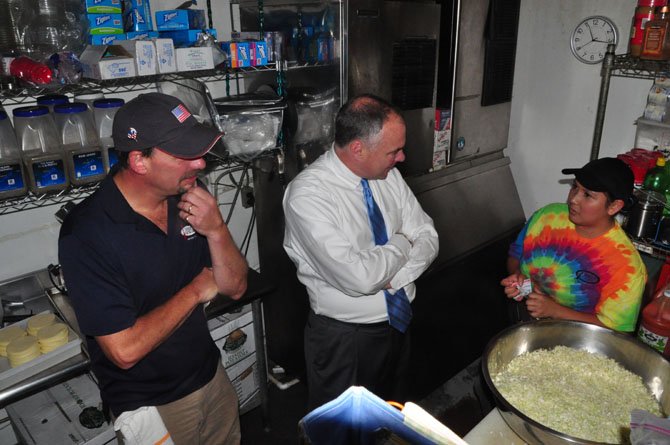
656, 45
643, 14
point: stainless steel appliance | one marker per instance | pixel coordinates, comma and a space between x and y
392, 51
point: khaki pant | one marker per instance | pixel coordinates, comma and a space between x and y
208, 416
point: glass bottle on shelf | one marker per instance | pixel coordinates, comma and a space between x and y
656, 45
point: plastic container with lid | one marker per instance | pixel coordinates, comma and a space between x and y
50, 100
654, 328
12, 179
84, 159
89, 98
42, 154
104, 111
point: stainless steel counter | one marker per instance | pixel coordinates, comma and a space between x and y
31, 294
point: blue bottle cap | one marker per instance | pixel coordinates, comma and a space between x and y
34, 111
74, 107
112, 102
52, 99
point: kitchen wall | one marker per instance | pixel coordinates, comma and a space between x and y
555, 98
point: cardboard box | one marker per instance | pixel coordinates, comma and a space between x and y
259, 53
442, 135
105, 39
103, 6
104, 24
186, 37
180, 19
53, 416
195, 58
107, 62
234, 337
165, 56
245, 379
144, 53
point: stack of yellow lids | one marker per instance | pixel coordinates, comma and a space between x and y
22, 350
40, 321
7, 335
52, 337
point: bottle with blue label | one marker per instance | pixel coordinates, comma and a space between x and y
104, 111
12, 179
83, 156
43, 156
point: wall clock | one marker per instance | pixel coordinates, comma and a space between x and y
590, 39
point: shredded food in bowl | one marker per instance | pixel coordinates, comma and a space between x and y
575, 392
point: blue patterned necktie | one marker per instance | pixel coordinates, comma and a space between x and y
397, 305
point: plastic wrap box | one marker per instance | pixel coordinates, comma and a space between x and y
105, 24
10, 376
652, 135
141, 35
55, 416
194, 59
180, 19
103, 6
105, 39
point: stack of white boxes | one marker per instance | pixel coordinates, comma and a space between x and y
233, 334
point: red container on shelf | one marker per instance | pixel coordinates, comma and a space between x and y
643, 14
637, 165
653, 3
654, 328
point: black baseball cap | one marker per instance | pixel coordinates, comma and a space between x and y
609, 175
158, 120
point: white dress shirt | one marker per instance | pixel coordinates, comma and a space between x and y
329, 238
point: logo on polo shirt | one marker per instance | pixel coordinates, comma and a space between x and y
187, 231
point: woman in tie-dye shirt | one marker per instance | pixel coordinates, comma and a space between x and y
580, 261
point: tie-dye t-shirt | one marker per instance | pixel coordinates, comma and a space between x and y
604, 276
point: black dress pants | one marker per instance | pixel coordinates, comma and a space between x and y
339, 355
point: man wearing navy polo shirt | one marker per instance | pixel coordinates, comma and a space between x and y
140, 257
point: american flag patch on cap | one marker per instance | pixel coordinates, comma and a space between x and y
181, 113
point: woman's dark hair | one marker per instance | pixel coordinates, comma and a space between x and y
362, 118
123, 157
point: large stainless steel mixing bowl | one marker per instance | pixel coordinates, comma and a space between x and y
546, 334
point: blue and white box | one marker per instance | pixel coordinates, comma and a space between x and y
137, 15
104, 24
144, 53
180, 19
105, 39
103, 6
141, 35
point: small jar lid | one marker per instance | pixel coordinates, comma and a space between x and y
74, 107
52, 99
112, 102
38, 110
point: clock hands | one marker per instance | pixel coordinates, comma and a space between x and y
590, 31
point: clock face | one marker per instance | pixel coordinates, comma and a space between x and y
590, 39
